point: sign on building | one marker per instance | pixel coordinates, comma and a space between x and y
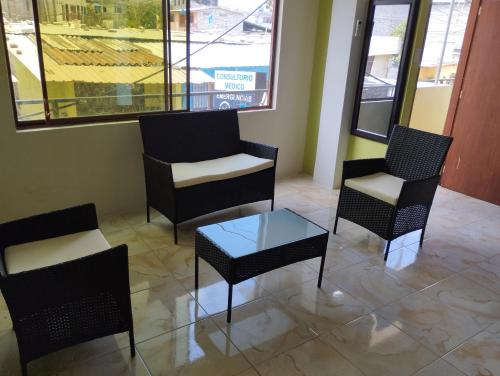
234, 80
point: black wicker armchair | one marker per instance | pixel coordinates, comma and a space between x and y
392, 196
195, 164
62, 283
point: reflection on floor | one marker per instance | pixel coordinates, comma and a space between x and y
428, 311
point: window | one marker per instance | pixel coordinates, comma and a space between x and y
77, 61
443, 43
383, 67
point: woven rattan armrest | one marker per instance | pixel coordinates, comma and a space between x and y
362, 167
259, 150
418, 192
160, 187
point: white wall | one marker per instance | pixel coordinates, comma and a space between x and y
48, 169
341, 72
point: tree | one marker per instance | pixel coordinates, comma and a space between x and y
146, 14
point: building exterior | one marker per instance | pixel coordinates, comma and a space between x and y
21, 8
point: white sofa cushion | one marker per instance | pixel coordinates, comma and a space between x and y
42, 253
188, 174
383, 186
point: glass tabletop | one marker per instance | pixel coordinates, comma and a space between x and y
255, 233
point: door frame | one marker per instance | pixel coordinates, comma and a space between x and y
462, 66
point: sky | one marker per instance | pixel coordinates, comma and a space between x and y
246, 5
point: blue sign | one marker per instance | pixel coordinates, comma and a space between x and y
234, 100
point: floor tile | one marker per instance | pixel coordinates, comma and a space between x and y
336, 259
297, 202
163, 308
486, 274
415, 270
440, 368
480, 355
448, 253
213, 291
56, 362
467, 297
138, 218
313, 358
117, 363
197, 349
494, 328
436, 325
156, 235
324, 217
480, 237
265, 328
9, 354
129, 237
288, 276
146, 270
112, 223
369, 283
5, 321
378, 348
179, 260
249, 372
322, 309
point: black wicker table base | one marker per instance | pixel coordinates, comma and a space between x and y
247, 247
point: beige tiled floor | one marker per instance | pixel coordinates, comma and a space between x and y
428, 311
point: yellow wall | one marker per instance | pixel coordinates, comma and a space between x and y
429, 73
360, 148
430, 108
318, 76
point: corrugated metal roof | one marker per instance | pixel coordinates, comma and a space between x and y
71, 50
103, 73
216, 55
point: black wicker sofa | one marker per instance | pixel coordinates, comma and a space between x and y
195, 164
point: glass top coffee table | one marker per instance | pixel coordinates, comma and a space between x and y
246, 247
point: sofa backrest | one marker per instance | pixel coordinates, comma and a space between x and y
190, 136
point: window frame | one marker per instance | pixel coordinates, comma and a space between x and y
403, 68
48, 122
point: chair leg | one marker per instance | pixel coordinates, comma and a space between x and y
272, 204
24, 368
132, 342
387, 250
337, 213
336, 223
175, 233
148, 213
422, 237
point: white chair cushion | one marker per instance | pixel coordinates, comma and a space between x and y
383, 186
42, 253
188, 174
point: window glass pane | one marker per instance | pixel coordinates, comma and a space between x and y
178, 27
102, 58
23, 59
384, 56
443, 43
382, 68
231, 52
127, 57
